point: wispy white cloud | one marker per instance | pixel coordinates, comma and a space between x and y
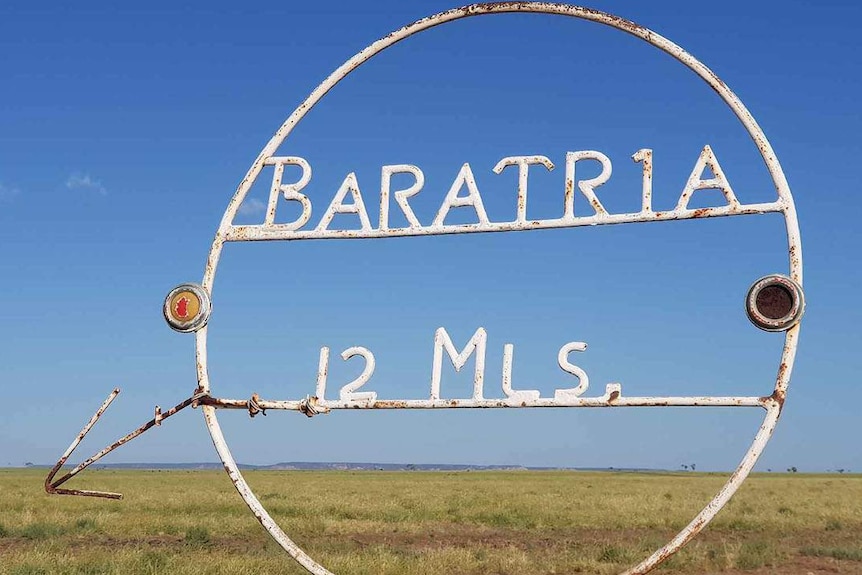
252, 207
8, 192
79, 181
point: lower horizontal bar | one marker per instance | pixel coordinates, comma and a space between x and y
512, 402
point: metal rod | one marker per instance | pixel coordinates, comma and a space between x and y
249, 233
326, 405
51, 485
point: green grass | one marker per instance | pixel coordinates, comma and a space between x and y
198, 536
412, 523
41, 530
853, 553
85, 524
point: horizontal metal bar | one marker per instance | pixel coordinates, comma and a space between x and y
604, 401
283, 232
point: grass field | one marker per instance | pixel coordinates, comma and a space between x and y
371, 522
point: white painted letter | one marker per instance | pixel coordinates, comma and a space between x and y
695, 182
523, 163
337, 207
587, 187
465, 176
515, 395
565, 365
289, 191
477, 343
400, 195
645, 155
322, 372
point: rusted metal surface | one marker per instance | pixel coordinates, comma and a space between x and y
250, 233
269, 230
52, 485
774, 303
611, 398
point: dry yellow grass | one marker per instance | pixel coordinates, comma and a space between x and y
193, 522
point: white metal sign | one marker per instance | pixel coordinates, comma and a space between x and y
774, 303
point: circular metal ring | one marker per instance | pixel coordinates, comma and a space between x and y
775, 303
773, 404
187, 307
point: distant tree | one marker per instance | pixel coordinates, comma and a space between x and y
840, 471
28, 464
791, 469
684, 466
693, 467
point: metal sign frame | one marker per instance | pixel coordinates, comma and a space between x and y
774, 303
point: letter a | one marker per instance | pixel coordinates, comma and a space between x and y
453, 200
338, 207
696, 182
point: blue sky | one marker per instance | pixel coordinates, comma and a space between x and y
124, 131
